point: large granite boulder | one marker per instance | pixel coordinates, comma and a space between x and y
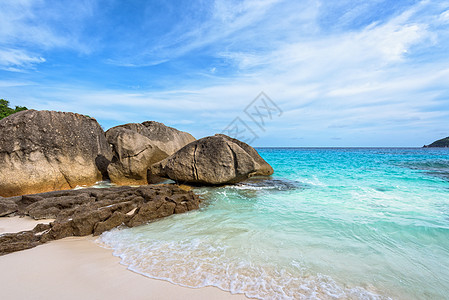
92, 211
48, 150
134, 153
211, 160
166, 138
137, 146
263, 168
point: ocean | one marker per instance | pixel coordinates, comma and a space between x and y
331, 223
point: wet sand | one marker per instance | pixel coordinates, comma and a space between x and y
78, 268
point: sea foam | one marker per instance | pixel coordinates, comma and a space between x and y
329, 224
197, 263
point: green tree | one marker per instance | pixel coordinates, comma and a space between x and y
5, 110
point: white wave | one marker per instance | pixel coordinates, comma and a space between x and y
313, 181
197, 263
250, 187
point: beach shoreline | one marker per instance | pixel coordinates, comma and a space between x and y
78, 267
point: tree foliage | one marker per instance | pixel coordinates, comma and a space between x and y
5, 110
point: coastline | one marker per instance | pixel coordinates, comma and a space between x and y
77, 267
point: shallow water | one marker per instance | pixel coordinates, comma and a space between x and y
329, 224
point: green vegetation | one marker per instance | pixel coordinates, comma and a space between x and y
440, 143
5, 110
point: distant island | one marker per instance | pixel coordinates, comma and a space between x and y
443, 143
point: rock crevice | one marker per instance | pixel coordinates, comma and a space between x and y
137, 146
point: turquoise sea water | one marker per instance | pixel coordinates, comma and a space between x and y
329, 224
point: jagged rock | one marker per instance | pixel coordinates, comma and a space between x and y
93, 211
160, 206
7, 207
133, 155
212, 160
116, 219
11, 242
48, 150
49, 208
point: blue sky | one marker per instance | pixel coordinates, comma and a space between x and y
344, 73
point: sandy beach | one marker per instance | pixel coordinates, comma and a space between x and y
78, 268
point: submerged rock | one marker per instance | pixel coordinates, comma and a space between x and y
93, 211
271, 184
213, 160
137, 146
48, 150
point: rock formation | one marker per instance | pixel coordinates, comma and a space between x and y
166, 138
262, 168
133, 156
43, 151
92, 211
48, 150
137, 146
212, 160
7, 207
443, 143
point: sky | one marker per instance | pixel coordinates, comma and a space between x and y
299, 73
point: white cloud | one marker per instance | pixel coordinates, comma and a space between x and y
19, 23
28, 26
361, 82
444, 16
248, 24
16, 59
13, 83
374, 45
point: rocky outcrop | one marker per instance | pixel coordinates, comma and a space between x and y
7, 206
212, 160
93, 211
443, 143
47, 150
262, 168
133, 156
166, 138
137, 146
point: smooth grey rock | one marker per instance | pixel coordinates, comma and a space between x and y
211, 160
263, 169
166, 138
134, 153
